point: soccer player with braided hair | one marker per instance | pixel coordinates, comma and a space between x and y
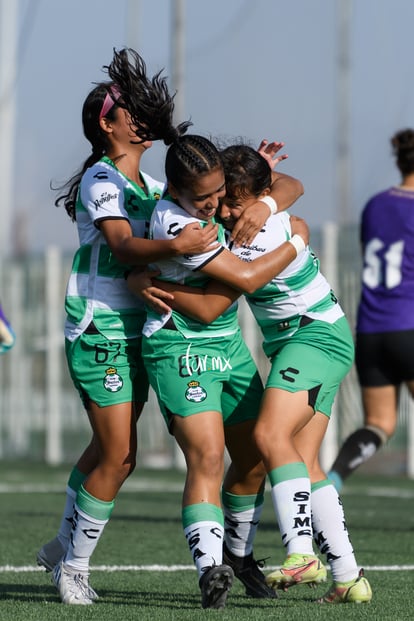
151, 110
207, 385
309, 344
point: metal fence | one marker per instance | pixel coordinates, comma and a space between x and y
41, 417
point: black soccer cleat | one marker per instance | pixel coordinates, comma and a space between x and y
215, 584
247, 570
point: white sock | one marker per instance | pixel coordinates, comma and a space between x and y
330, 532
76, 479
67, 518
241, 519
240, 529
89, 519
291, 500
205, 540
85, 535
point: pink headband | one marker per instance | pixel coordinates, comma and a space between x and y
110, 100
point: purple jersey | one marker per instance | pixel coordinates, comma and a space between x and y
387, 236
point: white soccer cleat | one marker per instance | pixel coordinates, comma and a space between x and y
73, 585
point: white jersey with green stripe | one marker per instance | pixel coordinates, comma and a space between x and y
298, 290
168, 219
97, 291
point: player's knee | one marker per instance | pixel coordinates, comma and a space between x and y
209, 461
262, 439
256, 476
124, 467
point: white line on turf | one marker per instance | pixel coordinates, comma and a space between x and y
171, 568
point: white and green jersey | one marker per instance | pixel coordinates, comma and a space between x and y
168, 219
299, 290
97, 290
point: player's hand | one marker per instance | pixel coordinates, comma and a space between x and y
7, 336
299, 227
269, 151
195, 239
140, 283
249, 224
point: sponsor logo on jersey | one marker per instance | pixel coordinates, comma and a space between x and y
193, 364
105, 197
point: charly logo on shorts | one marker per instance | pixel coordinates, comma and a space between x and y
195, 392
112, 381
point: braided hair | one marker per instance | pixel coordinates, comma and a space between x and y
189, 157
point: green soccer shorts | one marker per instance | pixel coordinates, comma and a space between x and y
190, 376
107, 372
315, 358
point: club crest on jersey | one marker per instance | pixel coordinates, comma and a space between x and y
195, 392
112, 381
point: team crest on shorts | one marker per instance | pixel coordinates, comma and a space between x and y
112, 381
195, 392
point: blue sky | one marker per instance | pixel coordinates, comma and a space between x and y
254, 68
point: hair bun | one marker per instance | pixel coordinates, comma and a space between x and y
171, 135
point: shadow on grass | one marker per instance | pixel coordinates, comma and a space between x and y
25, 593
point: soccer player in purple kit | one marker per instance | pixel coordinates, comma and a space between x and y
385, 322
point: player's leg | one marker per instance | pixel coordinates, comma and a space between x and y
304, 379
379, 358
115, 433
328, 520
52, 552
290, 484
243, 486
243, 489
380, 405
106, 375
332, 538
85, 377
243, 499
201, 438
187, 377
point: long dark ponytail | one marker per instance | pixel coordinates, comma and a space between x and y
151, 107
147, 100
